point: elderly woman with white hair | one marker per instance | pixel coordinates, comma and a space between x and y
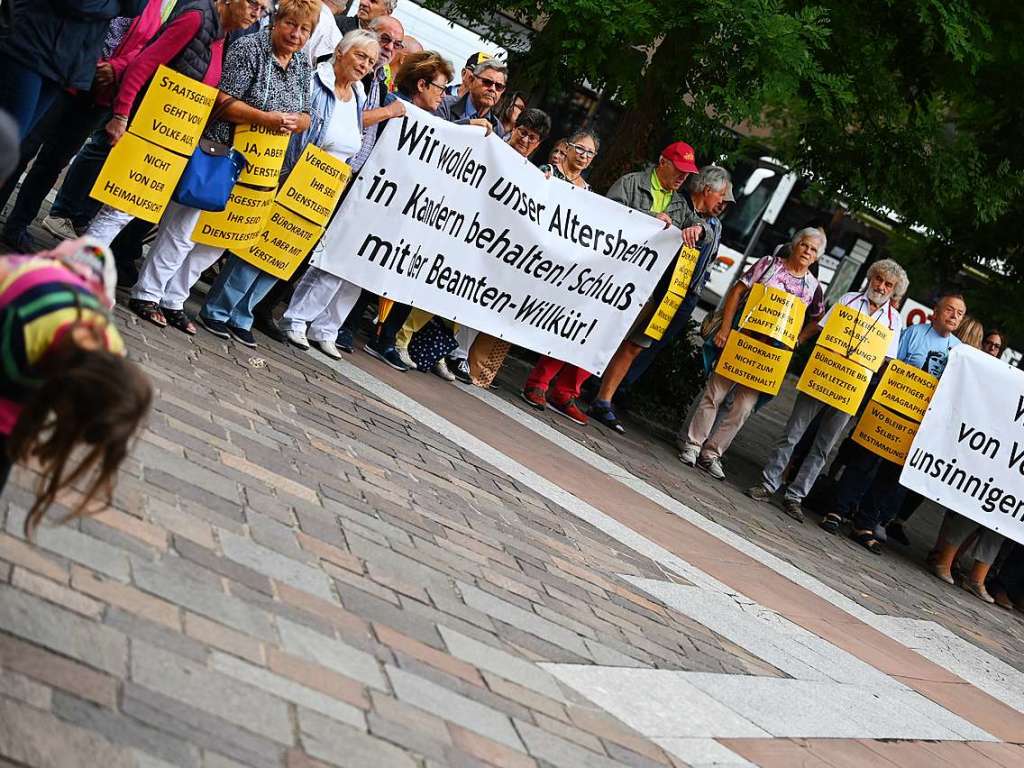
704, 442
322, 301
885, 279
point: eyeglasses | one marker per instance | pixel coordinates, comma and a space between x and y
386, 39
488, 83
528, 136
991, 344
439, 86
582, 151
258, 6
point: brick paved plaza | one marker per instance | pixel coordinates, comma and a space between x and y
310, 565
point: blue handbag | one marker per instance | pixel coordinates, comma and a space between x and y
211, 174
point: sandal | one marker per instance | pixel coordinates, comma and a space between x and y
605, 415
176, 318
867, 540
148, 311
831, 522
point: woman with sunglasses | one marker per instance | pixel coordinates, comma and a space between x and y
65, 386
563, 379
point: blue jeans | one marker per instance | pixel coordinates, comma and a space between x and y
73, 201
25, 94
237, 290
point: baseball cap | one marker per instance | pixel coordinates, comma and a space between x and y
680, 154
476, 58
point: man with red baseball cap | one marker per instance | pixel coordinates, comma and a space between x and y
657, 192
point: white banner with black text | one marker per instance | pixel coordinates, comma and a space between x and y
968, 454
457, 223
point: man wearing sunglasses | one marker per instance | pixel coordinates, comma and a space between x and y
476, 106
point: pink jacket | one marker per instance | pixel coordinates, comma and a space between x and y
143, 27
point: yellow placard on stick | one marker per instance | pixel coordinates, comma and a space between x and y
774, 313
682, 274
834, 380
174, 111
856, 336
264, 154
663, 316
283, 244
240, 223
906, 389
315, 184
883, 432
139, 178
753, 363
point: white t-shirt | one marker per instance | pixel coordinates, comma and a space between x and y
886, 314
342, 136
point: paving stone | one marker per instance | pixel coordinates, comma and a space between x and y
431, 697
27, 556
39, 739
56, 593
557, 751
381, 612
138, 628
56, 671
272, 534
200, 728
119, 729
213, 562
24, 689
125, 597
275, 565
502, 663
214, 693
288, 689
62, 631
75, 546
176, 582
219, 636
331, 653
446, 663
524, 620
346, 747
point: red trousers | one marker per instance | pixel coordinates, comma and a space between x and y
567, 379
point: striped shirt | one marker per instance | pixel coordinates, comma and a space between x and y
40, 299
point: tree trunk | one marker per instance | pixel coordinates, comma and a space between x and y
631, 144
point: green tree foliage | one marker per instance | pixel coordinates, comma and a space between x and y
911, 105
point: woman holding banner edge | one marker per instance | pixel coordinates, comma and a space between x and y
264, 83
704, 441
336, 106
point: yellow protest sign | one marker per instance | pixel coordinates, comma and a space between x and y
686, 262
883, 432
834, 380
663, 316
264, 154
774, 313
240, 223
283, 244
753, 363
315, 184
139, 178
906, 389
174, 111
856, 336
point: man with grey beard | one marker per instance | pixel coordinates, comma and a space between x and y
885, 278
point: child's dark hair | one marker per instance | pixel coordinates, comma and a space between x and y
90, 398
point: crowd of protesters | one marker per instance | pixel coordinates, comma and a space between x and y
73, 75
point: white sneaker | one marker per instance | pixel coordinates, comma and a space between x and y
712, 466
59, 226
329, 348
441, 369
403, 355
297, 339
688, 454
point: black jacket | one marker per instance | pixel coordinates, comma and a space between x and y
61, 39
346, 23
